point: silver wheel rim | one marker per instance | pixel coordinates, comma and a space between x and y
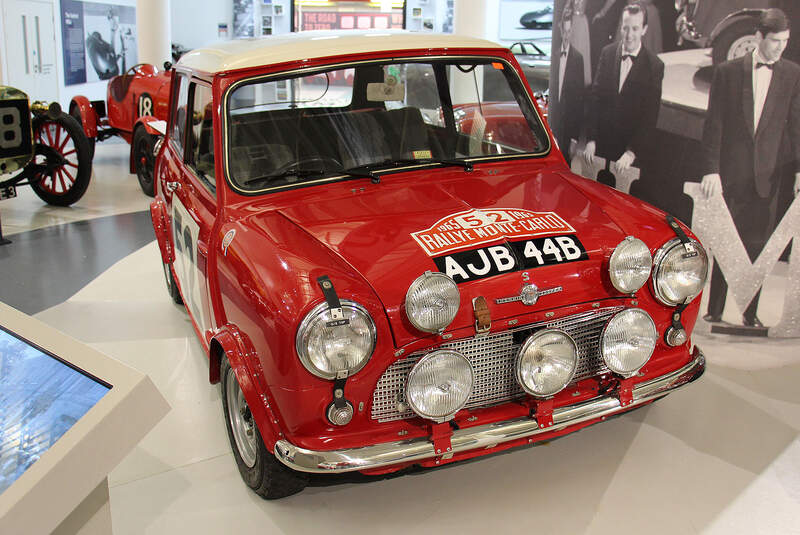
741, 46
242, 424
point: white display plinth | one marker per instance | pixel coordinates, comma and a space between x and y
65, 491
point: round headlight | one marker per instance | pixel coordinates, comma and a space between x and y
327, 348
630, 264
432, 302
547, 362
628, 341
679, 274
440, 384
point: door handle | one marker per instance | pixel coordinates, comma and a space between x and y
172, 186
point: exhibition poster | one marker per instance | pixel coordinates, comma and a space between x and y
98, 40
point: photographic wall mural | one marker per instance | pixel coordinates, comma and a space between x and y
98, 40
661, 99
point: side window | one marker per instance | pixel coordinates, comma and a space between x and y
201, 135
179, 106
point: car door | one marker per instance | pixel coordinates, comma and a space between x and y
193, 203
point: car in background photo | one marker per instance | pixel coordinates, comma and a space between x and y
538, 19
729, 27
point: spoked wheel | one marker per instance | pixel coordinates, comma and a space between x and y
66, 180
267, 476
144, 160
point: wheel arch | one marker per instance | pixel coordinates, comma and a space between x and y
731, 19
230, 343
88, 114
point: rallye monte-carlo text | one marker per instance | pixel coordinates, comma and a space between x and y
389, 262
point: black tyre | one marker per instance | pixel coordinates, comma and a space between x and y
144, 160
66, 183
75, 113
262, 472
735, 41
172, 288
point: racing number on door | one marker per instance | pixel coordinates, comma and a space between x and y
185, 233
10, 128
145, 105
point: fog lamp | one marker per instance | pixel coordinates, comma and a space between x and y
432, 302
628, 341
440, 384
547, 362
630, 264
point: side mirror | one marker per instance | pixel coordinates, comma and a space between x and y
167, 65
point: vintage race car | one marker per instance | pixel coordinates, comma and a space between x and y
135, 107
386, 269
41, 147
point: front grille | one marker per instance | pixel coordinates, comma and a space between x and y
493, 359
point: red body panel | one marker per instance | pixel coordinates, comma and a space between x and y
263, 282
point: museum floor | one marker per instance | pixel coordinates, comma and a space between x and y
721, 456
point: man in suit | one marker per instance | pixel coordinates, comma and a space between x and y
751, 142
566, 97
625, 96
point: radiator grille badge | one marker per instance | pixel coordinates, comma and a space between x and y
529, 295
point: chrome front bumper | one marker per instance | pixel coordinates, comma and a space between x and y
483, 436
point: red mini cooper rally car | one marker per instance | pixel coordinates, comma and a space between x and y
387, 269
135, 106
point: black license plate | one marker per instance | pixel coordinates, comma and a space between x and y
8, 192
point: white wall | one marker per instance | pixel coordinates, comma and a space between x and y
194, 22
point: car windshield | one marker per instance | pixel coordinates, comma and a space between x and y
376, 116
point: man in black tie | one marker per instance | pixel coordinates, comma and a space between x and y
751, 142
566, 95
625, 96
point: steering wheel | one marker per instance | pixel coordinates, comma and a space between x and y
136, 69
303, 164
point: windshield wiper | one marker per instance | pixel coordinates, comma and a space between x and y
363, 171
292, 171
391, 162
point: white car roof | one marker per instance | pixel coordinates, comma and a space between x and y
244, 53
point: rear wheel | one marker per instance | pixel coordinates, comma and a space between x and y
66, 182
267, 476
144, 160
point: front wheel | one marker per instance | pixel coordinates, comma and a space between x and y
65, 182
267, 476
735, 41
144, 160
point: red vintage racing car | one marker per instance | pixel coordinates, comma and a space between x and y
378, 284
135, 107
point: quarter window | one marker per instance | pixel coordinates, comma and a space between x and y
180, 103
201, 136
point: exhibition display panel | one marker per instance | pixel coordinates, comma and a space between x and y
70, 415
